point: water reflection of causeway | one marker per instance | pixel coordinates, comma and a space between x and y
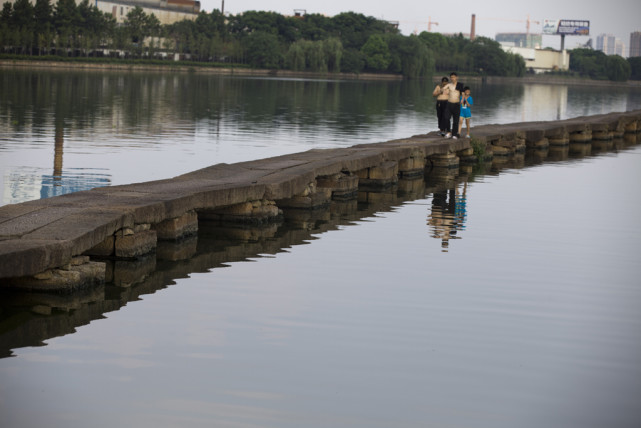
31, 318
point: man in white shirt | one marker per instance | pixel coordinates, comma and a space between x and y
453, 109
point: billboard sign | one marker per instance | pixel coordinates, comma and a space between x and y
573, 27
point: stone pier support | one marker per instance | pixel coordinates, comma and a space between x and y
312, 197
559, 140
558, 136
466, 156
79, 272
632, 127
378, 177
413, 166
446, 160
582, 136
344, 186
252, 213
178, 227
128, 242
135, 242
535, 139
602, 135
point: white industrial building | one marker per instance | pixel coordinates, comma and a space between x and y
542, 60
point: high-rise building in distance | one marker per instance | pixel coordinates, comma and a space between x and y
635, 44
606, 43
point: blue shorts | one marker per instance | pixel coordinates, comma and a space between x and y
466, 112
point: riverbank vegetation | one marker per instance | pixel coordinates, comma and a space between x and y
348, 42
599, 66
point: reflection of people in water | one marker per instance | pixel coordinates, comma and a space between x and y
448, 214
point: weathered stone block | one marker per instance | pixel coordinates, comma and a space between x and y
104, 249
78, 274
252, 212
447, 160
581, 136
602, 135
343, 186
465, 152
500, 151
632, 126
176, 228
537, 144
559, 140
135, 245
321, 198
411, 164
385, 171
380, 176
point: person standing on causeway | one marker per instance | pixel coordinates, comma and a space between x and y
453, 105
441, 93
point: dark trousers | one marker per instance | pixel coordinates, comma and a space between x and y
453, 111
443, 125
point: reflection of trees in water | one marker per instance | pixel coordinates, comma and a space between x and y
148, 99
448, 214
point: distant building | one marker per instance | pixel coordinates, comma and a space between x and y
167, 11
635, 44
607, 44
619, 48
542, 60
520, 40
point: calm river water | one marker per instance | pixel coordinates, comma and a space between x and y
506, 296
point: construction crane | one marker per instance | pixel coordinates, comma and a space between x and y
429, 24
528, 21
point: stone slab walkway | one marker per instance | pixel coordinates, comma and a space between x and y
46, 234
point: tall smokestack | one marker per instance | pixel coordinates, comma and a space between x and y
473, 29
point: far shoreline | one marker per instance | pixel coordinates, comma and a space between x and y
545, 79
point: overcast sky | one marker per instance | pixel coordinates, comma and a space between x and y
617, 17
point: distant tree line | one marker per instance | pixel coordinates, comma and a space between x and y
597, 65
348, 42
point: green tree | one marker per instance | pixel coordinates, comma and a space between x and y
295, 56
588, 62
617, 68
355, 29
485, 55
263, 50
352, 61
66, 22
140, 26
635, 67
333, 50
136, 24
22, 24
410, 56
43, 15
313, 27
376, 52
